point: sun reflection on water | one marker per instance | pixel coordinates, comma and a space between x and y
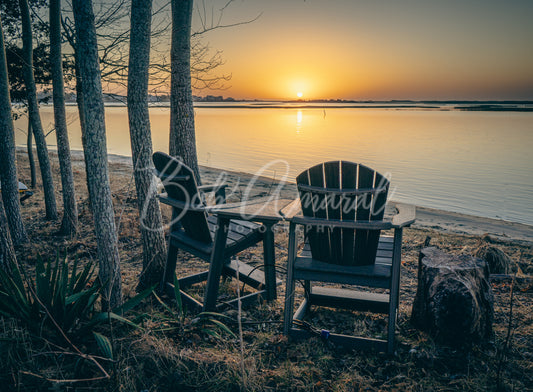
299, 117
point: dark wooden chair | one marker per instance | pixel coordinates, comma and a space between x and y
193, 230
342, 212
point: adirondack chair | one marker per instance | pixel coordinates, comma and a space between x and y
342, 212
193, 230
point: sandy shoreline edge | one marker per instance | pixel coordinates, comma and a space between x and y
428, 218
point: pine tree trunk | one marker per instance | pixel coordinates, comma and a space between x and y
182, 134
69, 224
79, 91
153, 240
79, 103
95, 151
8, 168
7, 252
33, 113
29, 148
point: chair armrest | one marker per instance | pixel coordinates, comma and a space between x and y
333, 223
263, 209
405, 216
291, 210
226, 206
179, 204
218, 189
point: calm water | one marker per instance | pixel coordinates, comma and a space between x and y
479, 163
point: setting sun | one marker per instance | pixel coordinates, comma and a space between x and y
300, 94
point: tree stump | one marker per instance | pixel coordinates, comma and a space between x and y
454, 300
497, 261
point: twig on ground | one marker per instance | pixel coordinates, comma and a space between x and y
507, 345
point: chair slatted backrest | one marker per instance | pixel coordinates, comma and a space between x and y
180, 184
344, 191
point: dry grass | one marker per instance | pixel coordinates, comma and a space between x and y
182, 358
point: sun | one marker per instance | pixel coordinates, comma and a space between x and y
299, 94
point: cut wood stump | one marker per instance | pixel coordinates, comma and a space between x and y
454, 301
497, 261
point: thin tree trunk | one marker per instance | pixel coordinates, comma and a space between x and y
153, 240
95, 151
79, 103
8, 168
182, 135
29, 147
7, 252
33, 112
69, 224
79, 90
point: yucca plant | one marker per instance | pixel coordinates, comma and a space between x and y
55, 296
60, 297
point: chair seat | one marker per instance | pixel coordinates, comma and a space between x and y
377, 275
241, 235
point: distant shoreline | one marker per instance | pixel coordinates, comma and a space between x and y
482, 106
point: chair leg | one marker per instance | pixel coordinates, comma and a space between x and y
170, 267
395, 288
393, 308
268, 258
216, 265
307, 288
289, 289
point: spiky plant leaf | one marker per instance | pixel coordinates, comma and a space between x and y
84, 278
105, 316
163, 304
134, 301
104, 344
221, 326
73, 277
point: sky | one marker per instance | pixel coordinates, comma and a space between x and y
374, 49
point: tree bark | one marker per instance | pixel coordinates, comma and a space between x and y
33, 113
153, 240
79, 90
454, 301
29, 148
8, 168
95, 151
182, 134
7, 252
69, 224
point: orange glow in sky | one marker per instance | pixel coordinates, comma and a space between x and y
455, 49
